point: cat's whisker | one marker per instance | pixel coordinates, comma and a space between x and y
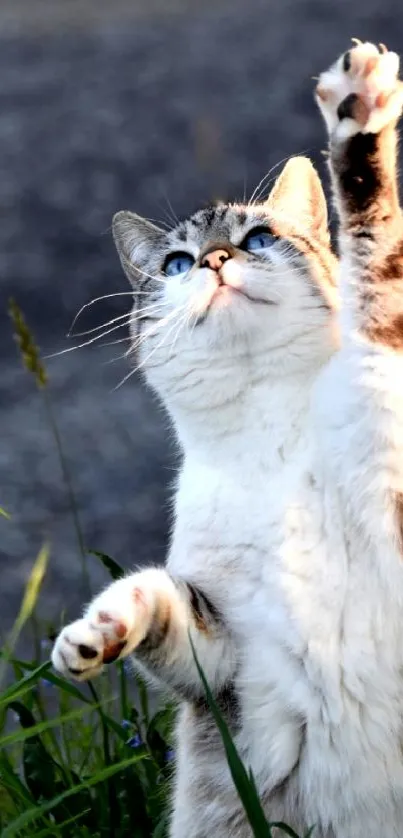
97, 300
139, 366
253, 199
163, 341
190, 327
130, 315
87, 342
257, 193
265, 190
143, 336
151, 276
118, 357
114, 342
193, 326
169, 224
172, 216
151, 331
182, 325
102, 326
159, 221
133, 294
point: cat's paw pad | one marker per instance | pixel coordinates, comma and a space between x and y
78, 651
361, 92
115, 623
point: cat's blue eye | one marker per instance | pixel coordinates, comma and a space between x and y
178, 263
258, 239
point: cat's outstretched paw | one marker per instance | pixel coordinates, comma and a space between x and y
115, 623
361, 92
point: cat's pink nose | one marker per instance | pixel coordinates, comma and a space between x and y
215, 259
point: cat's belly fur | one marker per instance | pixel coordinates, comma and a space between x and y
321, 696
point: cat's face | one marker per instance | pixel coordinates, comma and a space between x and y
233, 282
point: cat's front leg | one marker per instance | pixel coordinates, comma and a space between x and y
361, 99
359, 395
149, 614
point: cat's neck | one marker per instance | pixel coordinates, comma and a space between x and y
263, 423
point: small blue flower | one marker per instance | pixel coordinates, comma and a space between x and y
127, 666
135, 741
46, 682
170, 755
126, 723
45, 644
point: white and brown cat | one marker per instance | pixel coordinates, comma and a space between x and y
283, 374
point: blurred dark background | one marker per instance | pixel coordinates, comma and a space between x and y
158, 106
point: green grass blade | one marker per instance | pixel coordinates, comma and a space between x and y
64, 685
56, 680
284, 828
41, 727
23, 686
124, 698
12, 781
50, 830
21, 664
245, 785
31, 815
33, 587
27, 606
245, 788
4, 514
115, 571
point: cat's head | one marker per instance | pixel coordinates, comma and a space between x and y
235, 287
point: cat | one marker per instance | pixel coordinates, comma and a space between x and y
282, 371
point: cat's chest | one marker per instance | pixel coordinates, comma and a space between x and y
246, 519
266, 547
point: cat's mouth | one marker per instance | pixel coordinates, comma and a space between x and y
222, 295
226, 290
230, 288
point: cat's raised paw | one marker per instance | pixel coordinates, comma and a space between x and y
361, 92
115, 623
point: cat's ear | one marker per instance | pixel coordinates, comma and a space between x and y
298, 194
135, 239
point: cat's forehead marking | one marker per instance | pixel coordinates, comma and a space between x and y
218, 222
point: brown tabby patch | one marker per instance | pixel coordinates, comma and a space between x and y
205, 614
390, 333
364, 175
393, 265
158, 630
382, 297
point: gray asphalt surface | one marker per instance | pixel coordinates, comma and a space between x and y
105, 106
